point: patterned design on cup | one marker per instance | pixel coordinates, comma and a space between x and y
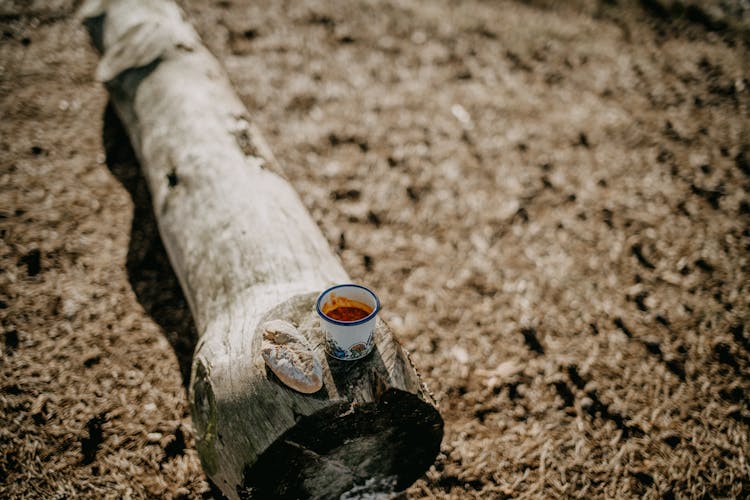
348, 340
359, 350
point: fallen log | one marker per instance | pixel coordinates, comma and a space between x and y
246, 251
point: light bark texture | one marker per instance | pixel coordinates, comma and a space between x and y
246, 251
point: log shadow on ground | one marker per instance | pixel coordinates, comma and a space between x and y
149, 271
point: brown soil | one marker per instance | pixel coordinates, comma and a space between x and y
552, 202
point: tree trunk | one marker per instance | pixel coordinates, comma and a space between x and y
245, 251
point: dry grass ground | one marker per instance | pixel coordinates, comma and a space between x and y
552, 201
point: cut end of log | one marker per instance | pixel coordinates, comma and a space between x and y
349, 450
371, 429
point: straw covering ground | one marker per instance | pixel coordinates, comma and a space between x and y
552, 201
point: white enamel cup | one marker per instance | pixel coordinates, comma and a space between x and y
349, 340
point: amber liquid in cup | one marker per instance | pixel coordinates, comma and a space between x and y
343, 309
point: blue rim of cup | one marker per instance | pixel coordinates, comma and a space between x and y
367, 318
